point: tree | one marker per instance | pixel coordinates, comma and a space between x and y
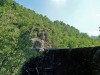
5, 2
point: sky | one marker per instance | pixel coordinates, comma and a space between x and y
82, 14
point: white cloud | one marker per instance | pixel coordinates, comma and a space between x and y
59, 2
97, 14
94, 33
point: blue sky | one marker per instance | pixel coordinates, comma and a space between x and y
82, 14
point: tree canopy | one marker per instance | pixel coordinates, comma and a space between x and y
18, 25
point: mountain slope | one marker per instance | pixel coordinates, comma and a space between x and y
18, 25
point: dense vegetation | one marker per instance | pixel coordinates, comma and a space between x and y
18, 25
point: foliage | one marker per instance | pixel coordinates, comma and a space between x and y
18, 26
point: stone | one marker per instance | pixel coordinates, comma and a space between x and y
76, 61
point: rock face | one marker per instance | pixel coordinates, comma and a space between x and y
78, 61
40, 43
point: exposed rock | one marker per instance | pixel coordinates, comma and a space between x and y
40, 44
78, 61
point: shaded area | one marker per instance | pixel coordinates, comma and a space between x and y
78, 61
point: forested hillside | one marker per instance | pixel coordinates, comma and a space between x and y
18, 25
